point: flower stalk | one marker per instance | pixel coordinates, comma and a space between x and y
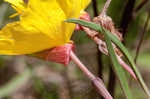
97, 82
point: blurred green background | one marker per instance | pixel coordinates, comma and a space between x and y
24, 77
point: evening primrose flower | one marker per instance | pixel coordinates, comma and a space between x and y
41, 25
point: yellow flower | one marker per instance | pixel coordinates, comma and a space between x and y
41, 25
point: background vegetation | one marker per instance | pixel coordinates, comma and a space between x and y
36, 79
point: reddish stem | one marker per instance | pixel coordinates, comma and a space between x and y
104, 10
98, 83
81, 66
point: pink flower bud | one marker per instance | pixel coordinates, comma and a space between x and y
84, 16
59, 54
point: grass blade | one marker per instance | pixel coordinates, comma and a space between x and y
131, 62
118, 69
118, 43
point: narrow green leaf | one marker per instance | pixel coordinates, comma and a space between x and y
13, 85
119, 70
98, 28
130, 59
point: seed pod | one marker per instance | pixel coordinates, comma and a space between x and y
106, 22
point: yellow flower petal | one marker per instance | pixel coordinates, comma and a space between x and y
18, 3
72, 8
41, 26
49, 22
15, 39
16, 14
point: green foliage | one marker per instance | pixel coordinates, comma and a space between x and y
43, 91
119, 70
118, 43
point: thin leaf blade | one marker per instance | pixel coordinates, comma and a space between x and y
98, 28
119, 70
